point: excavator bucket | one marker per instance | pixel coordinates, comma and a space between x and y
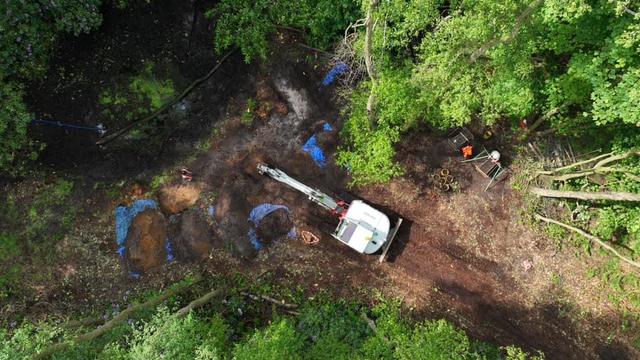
390, 238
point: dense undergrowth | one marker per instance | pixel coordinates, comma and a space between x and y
238, 328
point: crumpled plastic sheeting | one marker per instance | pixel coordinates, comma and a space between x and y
256, 215
124, 218
317, 154
339, 69
312, 148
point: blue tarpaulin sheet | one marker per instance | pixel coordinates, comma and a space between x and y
256, 215
124, 218
312, 148
339, 69
317, 154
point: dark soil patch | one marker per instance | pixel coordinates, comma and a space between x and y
195, 239
274, 226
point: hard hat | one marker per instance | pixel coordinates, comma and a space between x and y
495, 155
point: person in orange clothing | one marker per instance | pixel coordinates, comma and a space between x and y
467, 151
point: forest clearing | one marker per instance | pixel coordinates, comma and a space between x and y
137, 223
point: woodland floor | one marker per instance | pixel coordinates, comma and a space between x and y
467, 255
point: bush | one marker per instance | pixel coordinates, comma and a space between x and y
278, 341
248, 24
167, 337
15, 145
367, 153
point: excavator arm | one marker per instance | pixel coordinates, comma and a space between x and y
314, 195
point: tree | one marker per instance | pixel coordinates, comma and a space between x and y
29, 30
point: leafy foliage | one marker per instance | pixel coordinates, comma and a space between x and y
147, 92
248, 24
328, 330
15, 144
29, 30
278, 341
489, 61
368, 152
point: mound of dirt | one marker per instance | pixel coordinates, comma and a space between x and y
177, 198
145, 241
274, 226
195, 238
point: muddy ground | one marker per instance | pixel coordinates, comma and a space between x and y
465, 255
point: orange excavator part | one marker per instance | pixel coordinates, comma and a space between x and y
467, 151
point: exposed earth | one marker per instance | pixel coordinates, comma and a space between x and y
466, 255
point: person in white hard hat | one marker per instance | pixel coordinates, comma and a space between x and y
494, 156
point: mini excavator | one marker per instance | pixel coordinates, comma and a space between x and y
361, 227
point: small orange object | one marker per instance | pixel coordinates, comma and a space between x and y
467, 151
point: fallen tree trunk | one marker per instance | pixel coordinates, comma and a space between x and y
201, 301
583, 195
164, 108
368, 59
117, 320
590, 237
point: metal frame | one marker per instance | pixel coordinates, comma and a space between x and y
459, 138
494, 174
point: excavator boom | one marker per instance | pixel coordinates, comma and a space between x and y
314, 195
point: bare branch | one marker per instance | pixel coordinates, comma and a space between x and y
590, 237
201, 301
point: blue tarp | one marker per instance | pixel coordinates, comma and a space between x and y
312, 148
317, 154
339, 69
256, 215
124, 218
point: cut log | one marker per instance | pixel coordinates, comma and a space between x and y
583, 195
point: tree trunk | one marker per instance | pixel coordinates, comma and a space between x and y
582, 195
368, 60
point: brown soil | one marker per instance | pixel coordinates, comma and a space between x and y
177, 198
145, 241
195, 238
274, 226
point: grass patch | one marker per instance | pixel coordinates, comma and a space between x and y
248, 115
9, 256
143, 94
